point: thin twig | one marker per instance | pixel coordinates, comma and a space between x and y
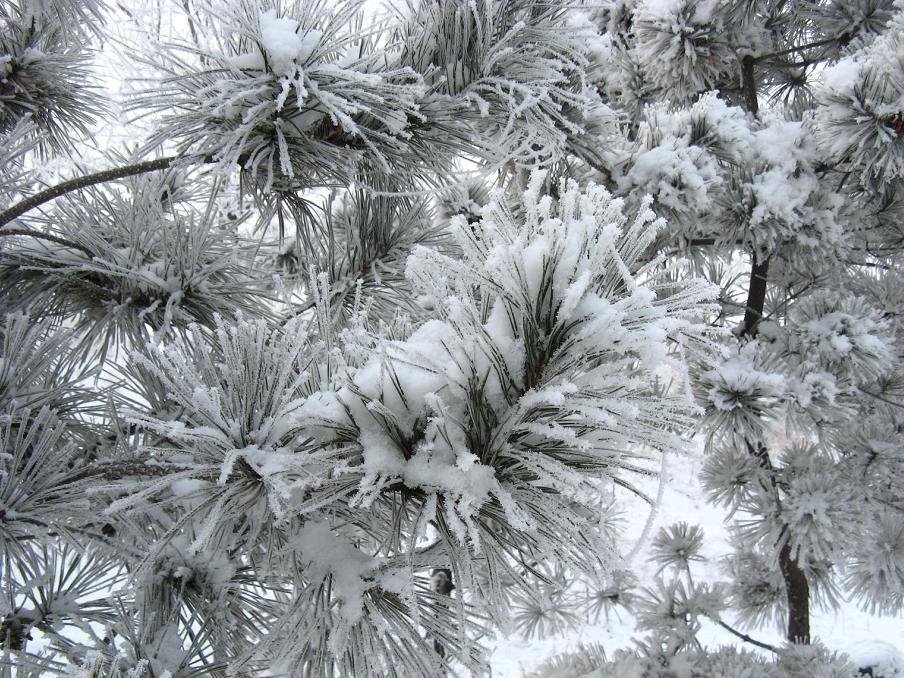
745, 637
799, 48
882, 398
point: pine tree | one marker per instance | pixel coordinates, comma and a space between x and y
326, 368
769, 133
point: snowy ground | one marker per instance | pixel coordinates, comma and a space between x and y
846, 630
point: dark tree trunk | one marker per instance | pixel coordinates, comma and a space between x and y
797, 590
756, 296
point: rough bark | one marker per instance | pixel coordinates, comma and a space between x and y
797, 590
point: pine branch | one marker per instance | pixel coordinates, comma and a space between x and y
128, 468
338, 291
748, 85
775, 13
800, 48
791, 297
744, 636
49, 237
885, 400
85, 181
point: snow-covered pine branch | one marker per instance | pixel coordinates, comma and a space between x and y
348, 297
485, 426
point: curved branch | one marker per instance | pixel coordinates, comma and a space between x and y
79, 183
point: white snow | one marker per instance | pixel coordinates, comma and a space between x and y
660, 8
187, 486
680, 176
286, 47
884, 659
736, 380
325, 554
842, 75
